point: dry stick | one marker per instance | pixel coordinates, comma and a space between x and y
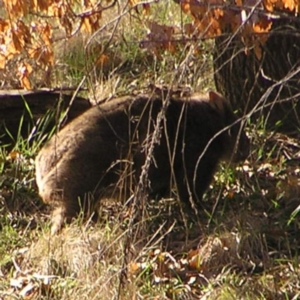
172, 156
140, 191
143, 181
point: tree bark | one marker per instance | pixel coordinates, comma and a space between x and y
270, 84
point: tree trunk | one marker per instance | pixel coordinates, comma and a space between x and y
270, 84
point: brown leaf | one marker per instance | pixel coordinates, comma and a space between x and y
13, 155
194, 8
4, 25
43, 55
16, 41
159, 38
41, 5
46, 33
189, 29
195, 259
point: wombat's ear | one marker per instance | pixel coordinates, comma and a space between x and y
216, 100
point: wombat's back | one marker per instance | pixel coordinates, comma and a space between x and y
97, 152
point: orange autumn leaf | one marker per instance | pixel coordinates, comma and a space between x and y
4, 25
13, 155
86, 25
16, 8
42, 55
195, 259
218, 13
146, 9
290, 4
102, 60
194, 8
208, 26
262, 26
24, 71
91, 23
25, 83
10, 49
133, 268
2, 61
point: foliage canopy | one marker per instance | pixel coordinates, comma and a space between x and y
27, 28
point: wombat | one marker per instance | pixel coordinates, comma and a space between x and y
103, 151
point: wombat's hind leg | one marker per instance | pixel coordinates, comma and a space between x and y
58, 219
68, 210
61, 215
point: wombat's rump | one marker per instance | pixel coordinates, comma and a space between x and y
104, 150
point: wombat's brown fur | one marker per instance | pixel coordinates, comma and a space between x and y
109, 143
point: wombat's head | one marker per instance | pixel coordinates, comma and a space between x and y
236, 144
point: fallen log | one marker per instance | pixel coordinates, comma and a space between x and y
20, 110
